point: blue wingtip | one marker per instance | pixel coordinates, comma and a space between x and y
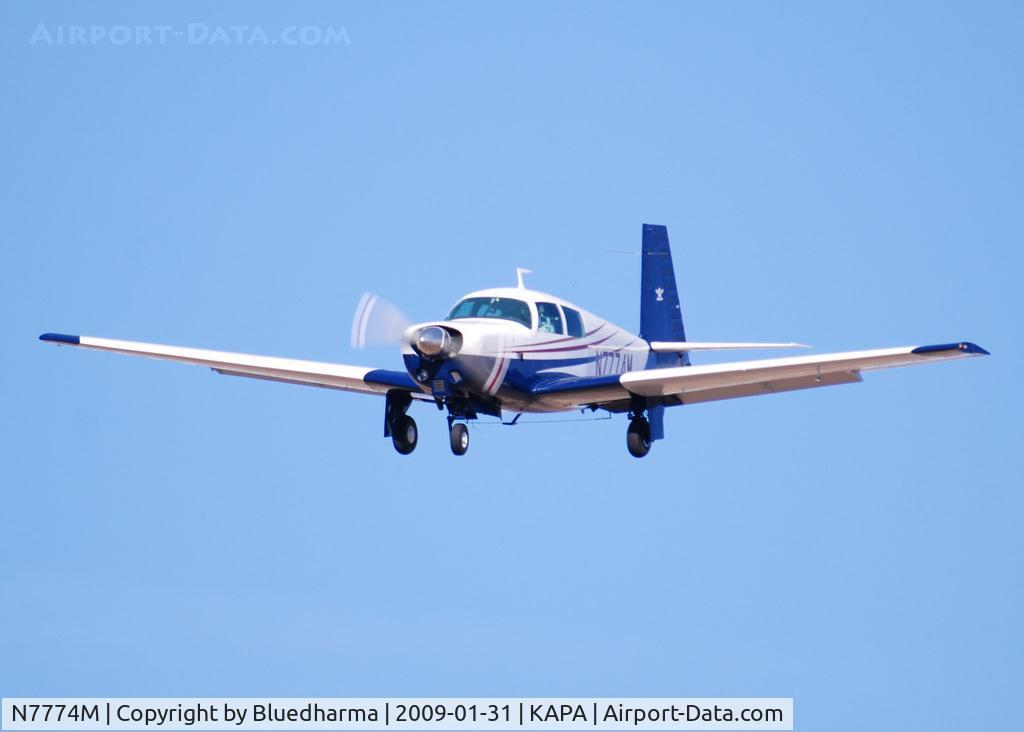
59, 338
963, 346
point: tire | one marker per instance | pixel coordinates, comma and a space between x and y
404, 434
458, 436
638, 437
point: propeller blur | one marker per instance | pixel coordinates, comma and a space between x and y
377, 322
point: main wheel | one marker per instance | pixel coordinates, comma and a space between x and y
459, 438
404, 434
638, 437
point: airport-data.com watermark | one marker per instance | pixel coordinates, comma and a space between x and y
189, 34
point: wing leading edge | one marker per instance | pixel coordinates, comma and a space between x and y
360, 379
694, 384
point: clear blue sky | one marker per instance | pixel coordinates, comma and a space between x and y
843, 175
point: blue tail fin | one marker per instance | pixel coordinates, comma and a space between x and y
661, 318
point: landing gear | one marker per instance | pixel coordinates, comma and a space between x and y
402, 430
398, 425
404, 434
638, 437
458, 436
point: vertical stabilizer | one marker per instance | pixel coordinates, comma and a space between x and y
661, 318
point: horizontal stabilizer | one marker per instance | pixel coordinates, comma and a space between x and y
686, 346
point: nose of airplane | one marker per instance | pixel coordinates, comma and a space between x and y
454, 359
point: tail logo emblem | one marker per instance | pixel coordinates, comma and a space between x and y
659, 292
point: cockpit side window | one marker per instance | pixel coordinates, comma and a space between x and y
573, 322
549, 319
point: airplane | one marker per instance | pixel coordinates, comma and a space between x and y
516, 350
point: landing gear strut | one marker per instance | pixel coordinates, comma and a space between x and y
638, 437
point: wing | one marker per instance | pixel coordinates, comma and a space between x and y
693, 384
310, 373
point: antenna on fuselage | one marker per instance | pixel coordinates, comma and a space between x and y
520, 271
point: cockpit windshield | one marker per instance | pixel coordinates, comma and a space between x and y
504, 308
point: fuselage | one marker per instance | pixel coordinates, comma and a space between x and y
503, 342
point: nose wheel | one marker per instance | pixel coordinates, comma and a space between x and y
638, 437
458, 436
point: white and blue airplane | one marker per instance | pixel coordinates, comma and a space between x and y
516, 350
